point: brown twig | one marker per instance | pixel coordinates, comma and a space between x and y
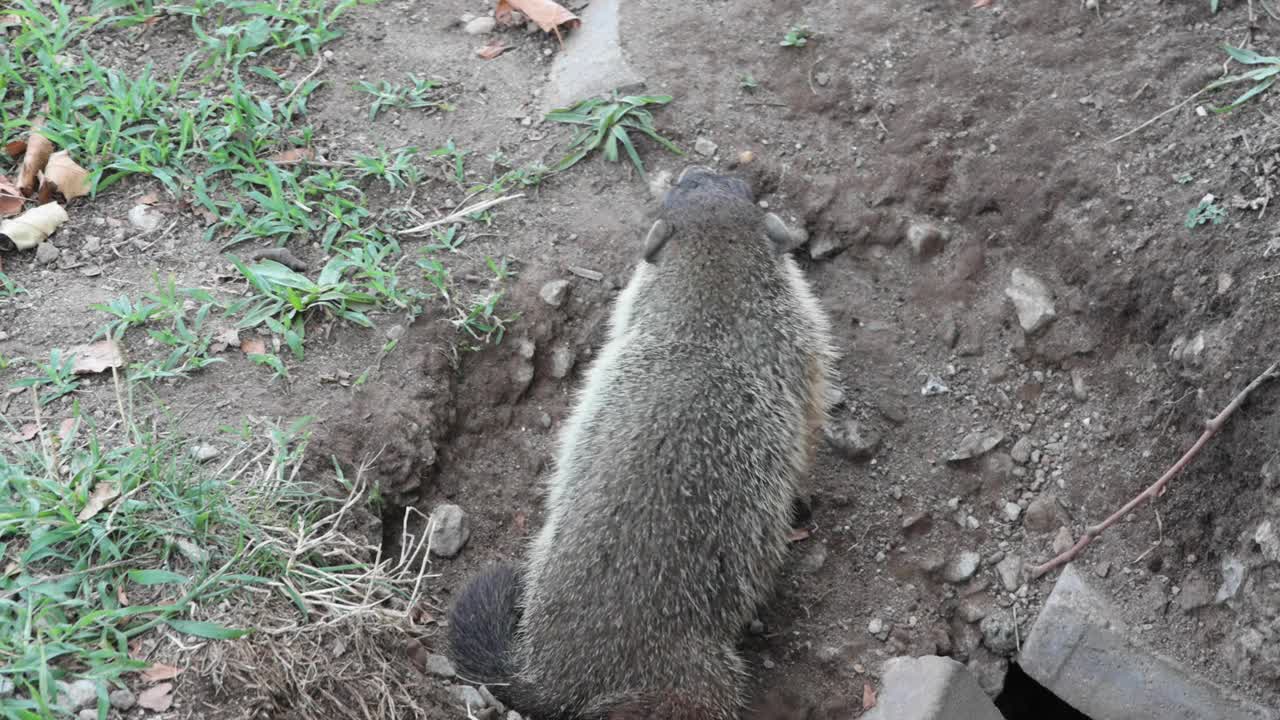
1211, 428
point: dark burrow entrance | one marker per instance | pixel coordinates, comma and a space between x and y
1025, 699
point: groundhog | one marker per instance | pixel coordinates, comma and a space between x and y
669, 508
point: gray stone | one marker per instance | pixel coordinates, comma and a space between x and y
76, 696
827, 246
203, 452
1271, 473
1267, 541
813, 561
705, 147
1000, 632
47, 253
592, 62
851, 439
1079, 650
441, 666
450, 530
925, 239
122, 699
1010, 572
1021, 451
1043, 514
1196, 592
92, 244
513, 715
930, 688
976, 444
1012, 511
989, 669
482, 25
87, 714
1233, 574
554, 292
962, 567
1031, 300
562, 360
468, 697
1063, 541
974, 607
144, 218
879, 628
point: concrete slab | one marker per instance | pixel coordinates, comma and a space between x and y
1080, 650
930, 688
592, 62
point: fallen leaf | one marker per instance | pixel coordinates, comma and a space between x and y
868, 695
548, 14
156, 699
25, 433
292, 156
208, 217
65, 428
44, 195
15, 148
102, 495
150, 198
225, 339
253, 346
519, 520
798, 534
121, 596
982, 3
11, 200
159, 671
39, 148
492, 50
96, 357
71, 179
31, 227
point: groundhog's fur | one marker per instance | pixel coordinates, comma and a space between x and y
668, 514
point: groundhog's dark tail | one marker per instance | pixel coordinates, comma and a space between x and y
482, 626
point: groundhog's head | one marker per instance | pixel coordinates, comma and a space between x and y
704, 199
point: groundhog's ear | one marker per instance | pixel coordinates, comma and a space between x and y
779, 234
657, 239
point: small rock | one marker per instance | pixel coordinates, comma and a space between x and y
822, 78
827, 246
203, 453
828, 654
79, 694
704, 147
999, 632
1010, 572
482, 25
92, 244
1021, 451
1042, 514
757, 627
1102, 569
914, 526
441, 666
468, 696
976, 444
87, 714
990, 670
1271, 473
6, 687
144, 218
879, 628
554, 292
933, 385
512, 714
851, 439
1078, 389
544, 420
1031, 300
491, 701
122, 699
47, 253
450, 530
948, 331
1012, 511
1063, 541
1225, 282
562, 359
1233, 573
962, 567
1196, 592
925, 239
1267, 541
814, 560
974, 607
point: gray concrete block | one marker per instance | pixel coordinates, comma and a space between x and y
1080, 650
592, 62
930, 688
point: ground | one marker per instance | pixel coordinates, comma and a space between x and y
998, 134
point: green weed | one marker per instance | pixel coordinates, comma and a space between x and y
1206, 211
607, 123
419, 93
796, 37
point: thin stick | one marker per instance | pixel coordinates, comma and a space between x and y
458, 215
303, 81
1157, 488
1191, 97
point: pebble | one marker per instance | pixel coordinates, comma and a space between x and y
1196, 592
1031, 300
1267, 541
851, 439
87, 714
482, 25
122, 699
1012, 511
1233, 573
976, 444
441, 666
47, 253
468, 696
1009, 570
1063, 541
704, 147
203, 453
554, 293
879, 628
827, 246
1021, 452
144, 218
925, 239
974, 608
814, 560
513, 715
999, 632
450, 530
78, 695
562, 359
1042, 514
1102, 569
756, 627
962, 567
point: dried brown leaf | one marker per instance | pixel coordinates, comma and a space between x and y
102, 496
11, 200
982, 3
159, 671
31, 227
798, 534
15, 148
548, 14
96, 357
39, 148
71, 179
156, 699
293, 156
253, 346
25, 433
495, 48
65, 428
868, 695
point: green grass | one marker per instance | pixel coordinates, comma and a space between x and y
420, 93
607, 125
1263, 75
1205, 212
797, 37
